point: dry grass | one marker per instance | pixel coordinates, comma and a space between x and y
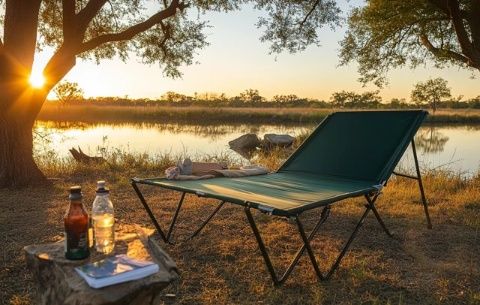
223, 264
208, 115
166, 114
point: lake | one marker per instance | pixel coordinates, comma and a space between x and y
439, 147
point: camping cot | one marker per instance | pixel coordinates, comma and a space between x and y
349, 154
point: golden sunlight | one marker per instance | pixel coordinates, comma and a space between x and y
37, 80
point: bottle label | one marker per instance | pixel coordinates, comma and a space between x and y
82, 241
77, 248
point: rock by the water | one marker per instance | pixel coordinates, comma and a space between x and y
246, 142
246, 153
281, 140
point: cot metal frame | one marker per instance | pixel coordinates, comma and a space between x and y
306, 240
418, 177
167, 237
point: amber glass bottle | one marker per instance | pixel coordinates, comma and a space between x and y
76, 227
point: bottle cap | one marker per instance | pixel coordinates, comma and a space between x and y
101, 188
75, 189
75, 192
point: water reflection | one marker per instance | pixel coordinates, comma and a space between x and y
212, 132
457, 146
430, 140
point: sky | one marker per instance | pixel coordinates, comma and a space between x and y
236, 60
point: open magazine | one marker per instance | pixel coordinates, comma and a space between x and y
114, 270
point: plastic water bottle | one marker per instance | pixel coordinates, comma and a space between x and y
103, 220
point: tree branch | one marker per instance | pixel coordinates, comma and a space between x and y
68, 17
474, 23
86, 15
451, 8
132, 31
167, 34
310, 13
441, 52
442, 5
462, 36
58, 66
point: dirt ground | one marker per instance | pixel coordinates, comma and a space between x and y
223, 264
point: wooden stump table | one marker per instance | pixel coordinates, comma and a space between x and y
58, 282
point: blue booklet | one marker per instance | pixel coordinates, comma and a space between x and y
115, 269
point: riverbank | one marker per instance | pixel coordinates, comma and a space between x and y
223, 265
209, 115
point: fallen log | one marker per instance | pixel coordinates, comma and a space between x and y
81, 157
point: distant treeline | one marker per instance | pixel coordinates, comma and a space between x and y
251, 99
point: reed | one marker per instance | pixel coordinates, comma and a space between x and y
211, 115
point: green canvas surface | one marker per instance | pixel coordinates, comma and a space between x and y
357, 145
349, 154
280, 193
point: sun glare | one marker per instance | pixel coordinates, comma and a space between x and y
37, 80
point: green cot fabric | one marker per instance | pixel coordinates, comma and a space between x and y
349, 154
357, 145
278, 193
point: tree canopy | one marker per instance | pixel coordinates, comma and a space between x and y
350, 99
431, 92
386, 34
166, 32
67, 92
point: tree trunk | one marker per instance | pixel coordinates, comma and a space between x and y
19, 103
17, 167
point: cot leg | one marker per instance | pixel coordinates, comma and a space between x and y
262, 247
418, 177
197, 231
420, 185
306, 245
167, 237
371, 205
175, 216
149, 211
348, 243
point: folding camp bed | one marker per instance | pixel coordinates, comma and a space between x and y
349, 154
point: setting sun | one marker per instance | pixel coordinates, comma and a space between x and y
37, 80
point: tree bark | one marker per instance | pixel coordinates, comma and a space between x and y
19, 103
17, 166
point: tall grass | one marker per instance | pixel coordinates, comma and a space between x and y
164, 114
120, 165
209, 115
